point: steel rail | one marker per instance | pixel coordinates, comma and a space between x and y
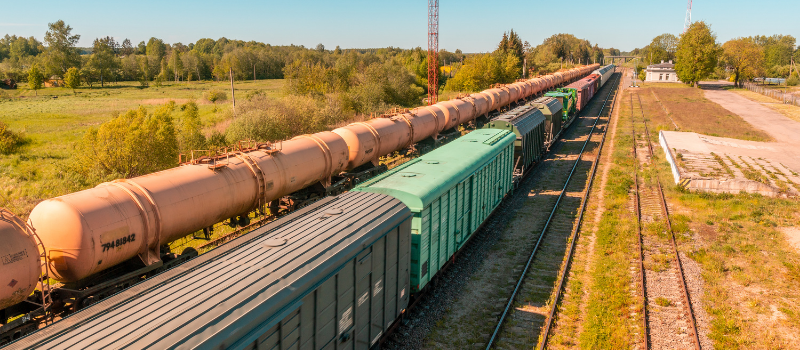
665, 210
639, 239
510, 302
574, 236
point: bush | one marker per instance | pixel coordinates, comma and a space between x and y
481, 71
10, 141
793, 80
266, 119
215, 95
132, 144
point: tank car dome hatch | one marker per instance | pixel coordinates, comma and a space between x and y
20, 258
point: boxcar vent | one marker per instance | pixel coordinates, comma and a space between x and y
274, 242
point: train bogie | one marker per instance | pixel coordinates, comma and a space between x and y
450, 191
331, 274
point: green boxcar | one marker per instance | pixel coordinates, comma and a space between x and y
528, 124
450, 192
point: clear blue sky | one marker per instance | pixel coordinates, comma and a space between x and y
469, 25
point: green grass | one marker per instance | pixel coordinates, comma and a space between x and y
56, 119
608, 321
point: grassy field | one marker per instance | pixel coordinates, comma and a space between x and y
57, 118
689, 110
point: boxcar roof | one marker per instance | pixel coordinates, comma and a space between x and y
548, 104
227, 293
525, 118
420, 181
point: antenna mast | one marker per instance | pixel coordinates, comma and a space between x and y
688, 21
433, 51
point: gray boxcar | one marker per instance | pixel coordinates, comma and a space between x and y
605, 73
528, 124
330, 276
551, 108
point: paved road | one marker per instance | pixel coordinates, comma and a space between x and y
781, 128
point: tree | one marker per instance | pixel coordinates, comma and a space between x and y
191, 136
35, 79
127, 48
72, 79
132, 144
662, 48
697, 53
745, 56
61, 51
104, 60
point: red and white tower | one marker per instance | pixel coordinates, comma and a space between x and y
433, 51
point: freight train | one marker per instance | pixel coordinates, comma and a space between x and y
337, 274
100, 241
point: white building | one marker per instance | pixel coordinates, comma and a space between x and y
663, 72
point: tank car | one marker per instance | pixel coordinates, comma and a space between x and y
19, 276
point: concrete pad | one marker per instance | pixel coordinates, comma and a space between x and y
781, 128
724, 165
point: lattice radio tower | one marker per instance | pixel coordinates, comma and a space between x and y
688, 21
433, 51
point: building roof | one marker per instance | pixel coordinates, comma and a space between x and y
668, 65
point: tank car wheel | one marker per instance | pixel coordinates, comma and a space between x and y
231, 222
243, 220
189, 252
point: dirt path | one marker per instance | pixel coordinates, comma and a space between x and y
777, 125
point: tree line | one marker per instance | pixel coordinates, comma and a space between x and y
698, 55
513, 57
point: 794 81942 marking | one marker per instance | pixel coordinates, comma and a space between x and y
119, 242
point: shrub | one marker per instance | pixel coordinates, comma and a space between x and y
132, 144
266, 119
215, 95
10, 141
793, 80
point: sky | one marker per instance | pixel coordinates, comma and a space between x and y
469, 25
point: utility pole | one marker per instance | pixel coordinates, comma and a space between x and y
525, 67
433, 51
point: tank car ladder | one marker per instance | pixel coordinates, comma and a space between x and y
47, 300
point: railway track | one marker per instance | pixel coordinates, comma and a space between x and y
668, 319
550, 258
